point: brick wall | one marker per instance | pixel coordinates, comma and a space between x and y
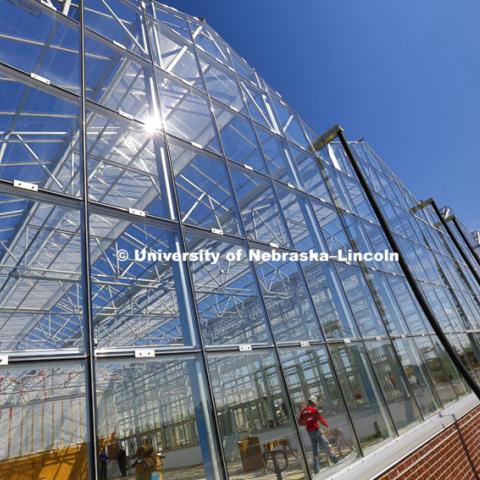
453, 454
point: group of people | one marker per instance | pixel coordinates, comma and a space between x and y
145, 462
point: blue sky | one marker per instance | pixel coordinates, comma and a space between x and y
404, 75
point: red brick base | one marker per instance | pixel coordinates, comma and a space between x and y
453, 454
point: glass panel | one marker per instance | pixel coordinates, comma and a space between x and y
174, 55
238, 139
300, 220
39, 137
457, 380
393, 384
369, 415
309, 376
35, 40
227, 295
155, 414
417, 376
173, 20
361, 301
339, 158
414, 317
468, 351
203, 189
287, 301
118, 21
259, 208
290, 124
127, 165
386, 302
277, 157
440, 372
221, 84
310, 175
253, 416
380, 244
186, 114
337, 188
40, 285
42, 419
117, 81
209, 41
331, 227
259, 106
242, 67
138, 297
329, 300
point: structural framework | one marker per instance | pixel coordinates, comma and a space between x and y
128, 126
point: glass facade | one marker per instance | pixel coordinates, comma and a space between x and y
128, 129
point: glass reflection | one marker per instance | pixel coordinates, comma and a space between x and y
137, 298
227, 295
41, 301
255, 422
43, 421
309, 375
357, 381
154, 418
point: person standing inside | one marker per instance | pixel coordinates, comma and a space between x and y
312, 420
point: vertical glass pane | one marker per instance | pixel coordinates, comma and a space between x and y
459, 384
186, 114
127, 165
329, 300
42, 419
155, 416
259, 106
309, 375
222, 84
300, 220
332, 228
138, 297
386, 302
39, 137
118, 21
255, 421
41, 305
173, 20
203, 188
238, 139
411, 311
36, 40
291, 314
290, 124
259, 208
227, 295
209, 41
402, 406
357, 381
417, 375
310, 175
277, 157
439, 372
174, 55
118, 80
361, 301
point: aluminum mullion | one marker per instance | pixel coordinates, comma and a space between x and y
189, 285
87, 288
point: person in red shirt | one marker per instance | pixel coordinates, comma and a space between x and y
311, 419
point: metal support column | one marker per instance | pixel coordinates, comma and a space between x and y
86, 279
